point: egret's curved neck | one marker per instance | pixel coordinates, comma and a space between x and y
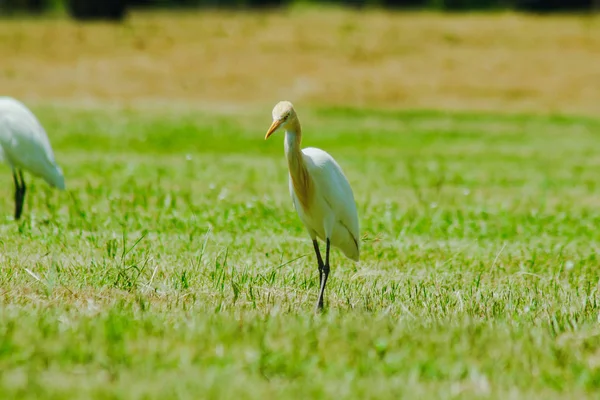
298, 172
293, 139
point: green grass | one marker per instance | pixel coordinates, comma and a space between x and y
176, 267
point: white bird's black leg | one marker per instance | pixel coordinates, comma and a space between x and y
17, 194
319, 261
20, 189
325, 276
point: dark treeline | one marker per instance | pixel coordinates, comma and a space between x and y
116, 9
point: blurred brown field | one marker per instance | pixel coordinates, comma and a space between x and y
502, 62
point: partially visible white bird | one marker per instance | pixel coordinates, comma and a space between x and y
320, 192
24, 145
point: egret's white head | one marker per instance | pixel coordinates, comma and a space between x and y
283, 113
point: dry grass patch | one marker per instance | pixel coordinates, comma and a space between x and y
326, 57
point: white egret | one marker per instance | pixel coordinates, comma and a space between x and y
320, 192
24, 145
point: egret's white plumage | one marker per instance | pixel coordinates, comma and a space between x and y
331, 212
320, 192
24, 146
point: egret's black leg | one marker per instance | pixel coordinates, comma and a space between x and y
18, 195
319, 261
20, 189
17, 192
325, 276
23, 190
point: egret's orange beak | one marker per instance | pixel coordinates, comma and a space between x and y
273, 128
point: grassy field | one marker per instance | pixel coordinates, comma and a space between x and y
175, 266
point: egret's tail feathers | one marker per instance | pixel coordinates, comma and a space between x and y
347, 242
55, 178
350, 248
60, 183
352, 253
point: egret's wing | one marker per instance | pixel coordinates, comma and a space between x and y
334, 187
25, 142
